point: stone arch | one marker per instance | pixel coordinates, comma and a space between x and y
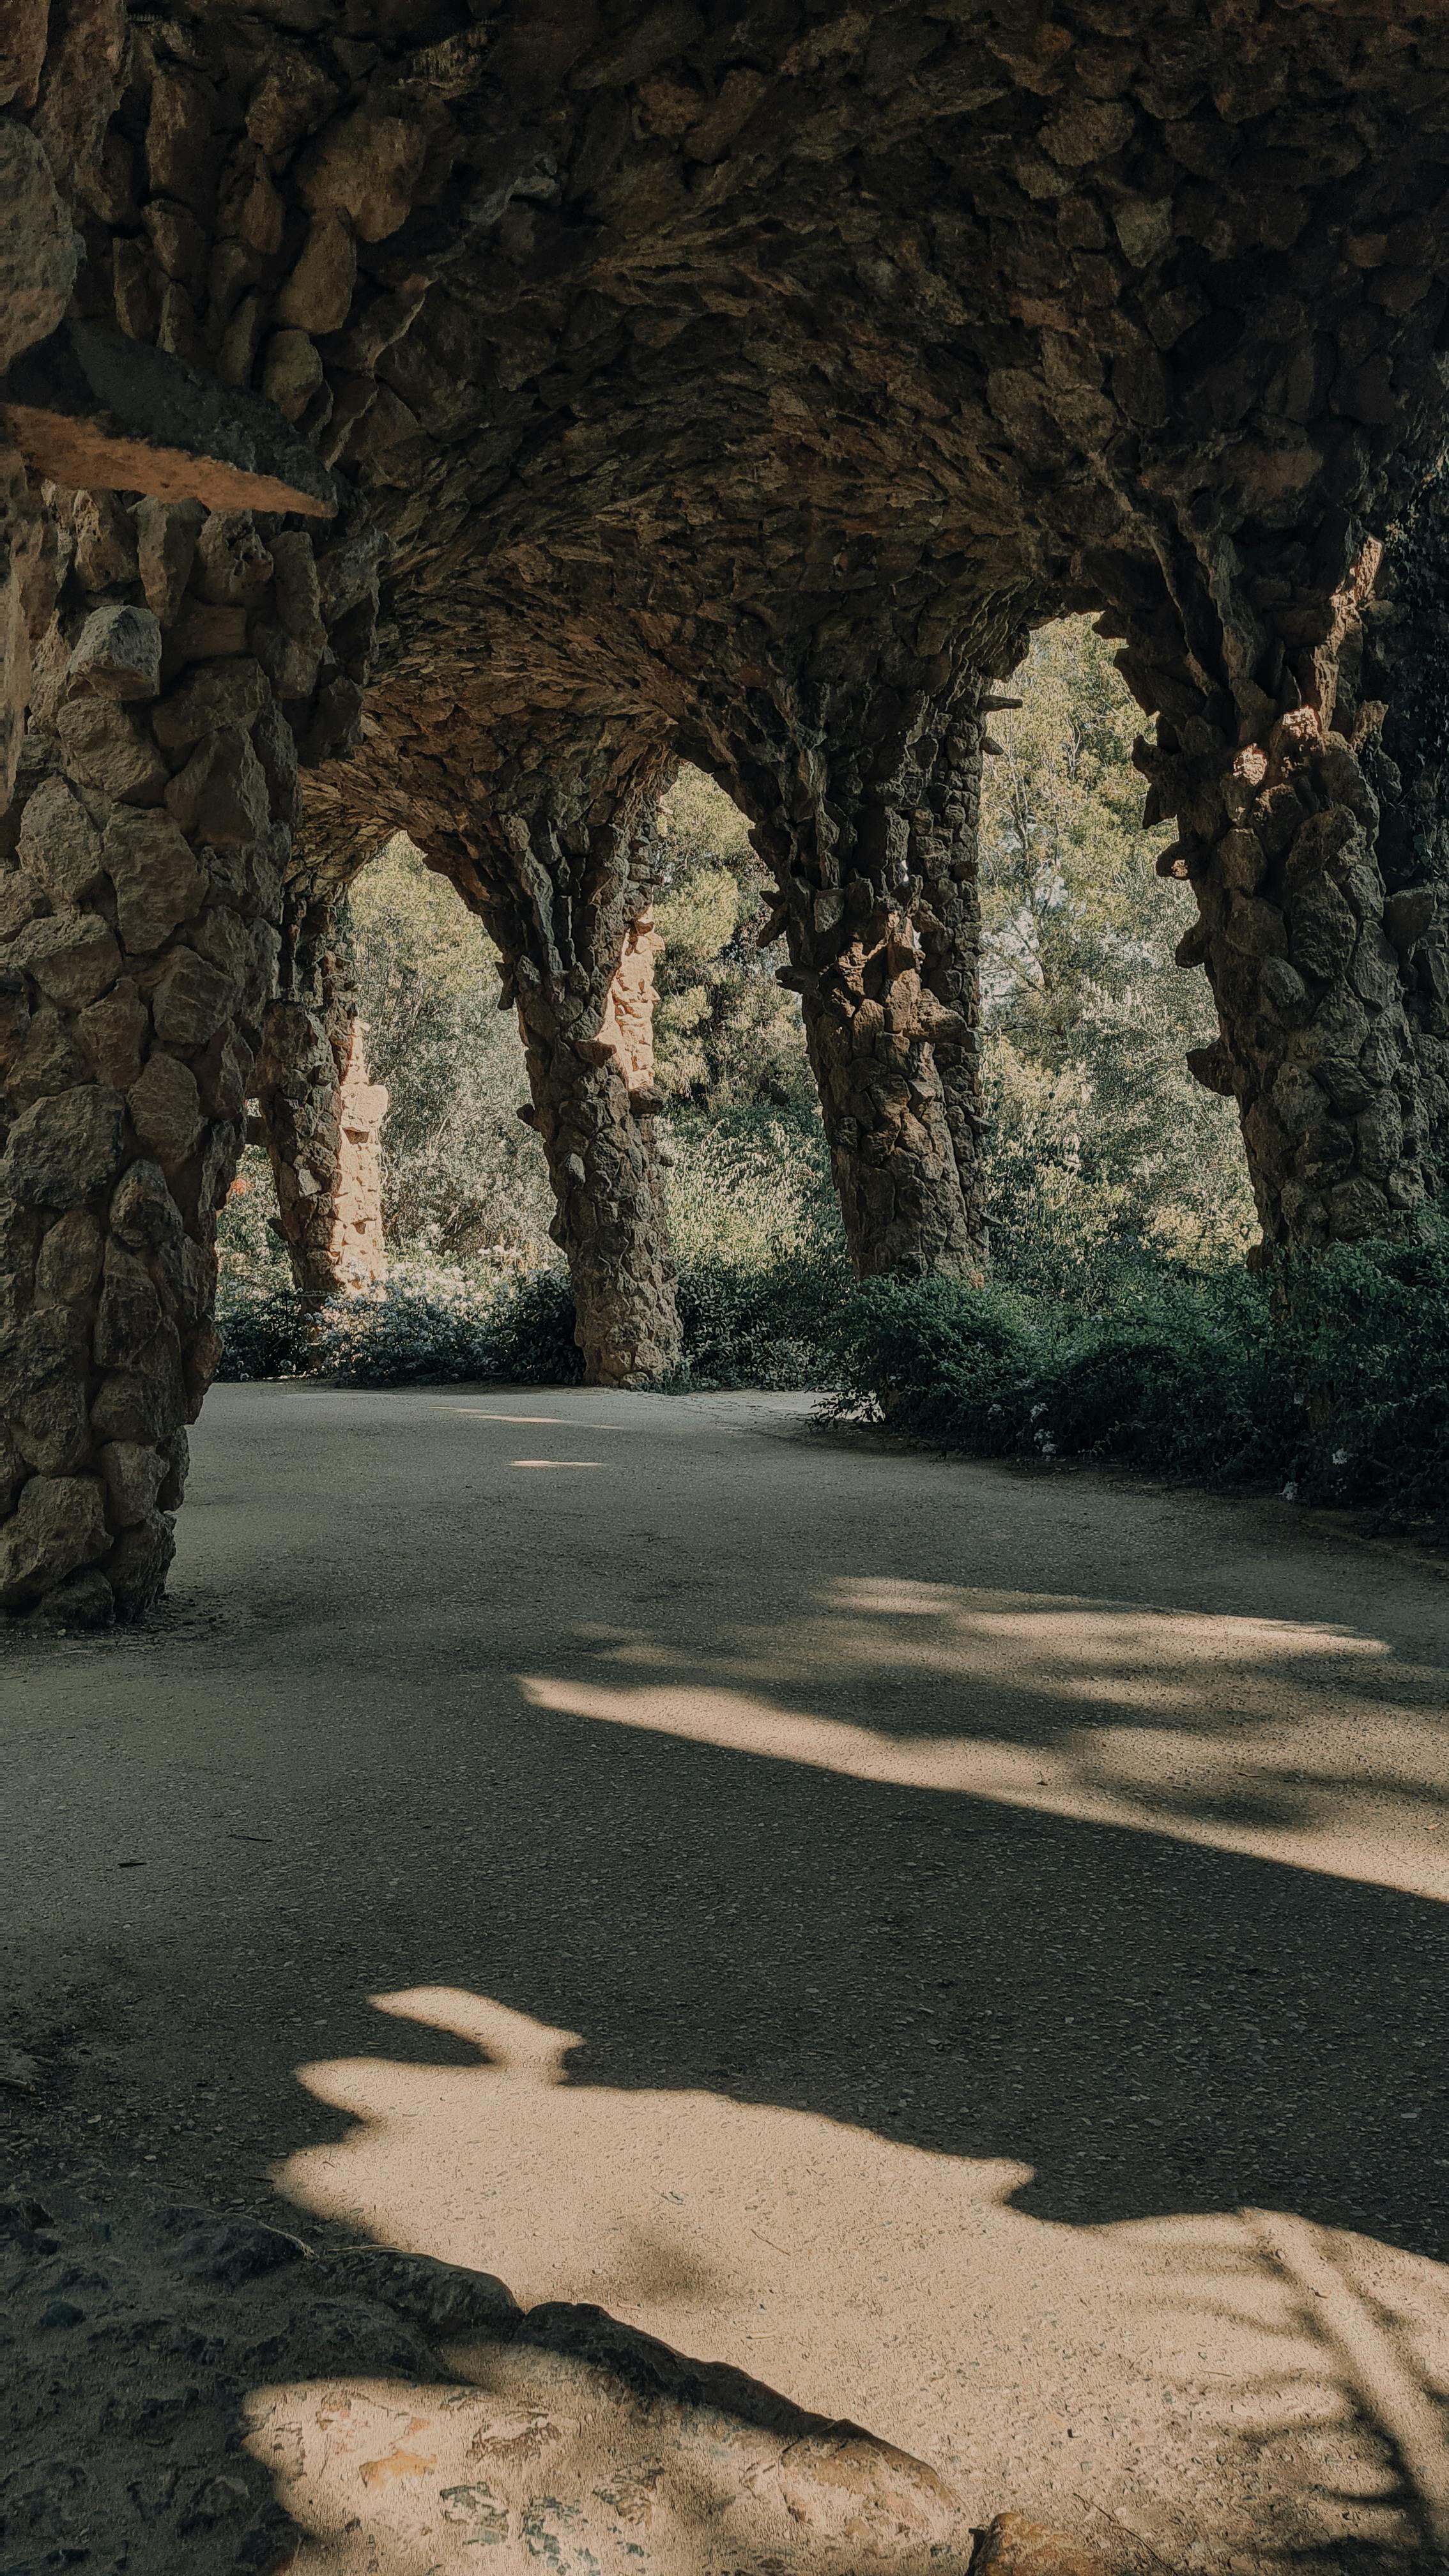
471, 412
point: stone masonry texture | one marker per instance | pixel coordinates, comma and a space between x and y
484, 406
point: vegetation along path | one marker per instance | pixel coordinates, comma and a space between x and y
963, 1947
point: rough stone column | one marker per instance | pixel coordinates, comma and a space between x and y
866, 805
37, 271
141, 892
1332, 992
571, 884
321, 1120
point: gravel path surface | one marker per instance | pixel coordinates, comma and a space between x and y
966, 1949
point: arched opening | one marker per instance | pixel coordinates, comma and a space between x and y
1097, 1144
1099, 1137
464, 1203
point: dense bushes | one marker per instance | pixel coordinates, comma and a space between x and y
1328, 1376
744, 1325
766, 1326
761, 1264
425, 1327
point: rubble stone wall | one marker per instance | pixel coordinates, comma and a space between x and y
142, 894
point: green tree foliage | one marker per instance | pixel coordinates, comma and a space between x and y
750, 1183
727, 1036
1097, 1126
462, 1175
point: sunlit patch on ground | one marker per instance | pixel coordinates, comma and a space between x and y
868, 2279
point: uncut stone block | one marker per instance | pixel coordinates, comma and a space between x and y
234, 566
318, 294
42, 1387
221, 794
58, 1524
83, 1600
109, 748
138, 1564
189, 1001
134, 1474
165, 1108
145, 1402
166, 534
143, 1212
70, 1261
48, 1061
60, 1150
112, 1035
72, 956
232, 692
154, 870
105, 541
38, 244
60, 844
117, 654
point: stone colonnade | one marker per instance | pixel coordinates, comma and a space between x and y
242, 262
865, 805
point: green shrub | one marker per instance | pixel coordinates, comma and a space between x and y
1363, 1342
424, 1327
533, 1333
1327, 1376
263, 1331
757, 1324
743, 1326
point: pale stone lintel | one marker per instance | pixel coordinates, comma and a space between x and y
97, 412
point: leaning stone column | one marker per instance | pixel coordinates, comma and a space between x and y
571, 884
866, 805
1331, 993
321, 1120
140, 897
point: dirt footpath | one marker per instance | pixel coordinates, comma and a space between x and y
952, 1949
